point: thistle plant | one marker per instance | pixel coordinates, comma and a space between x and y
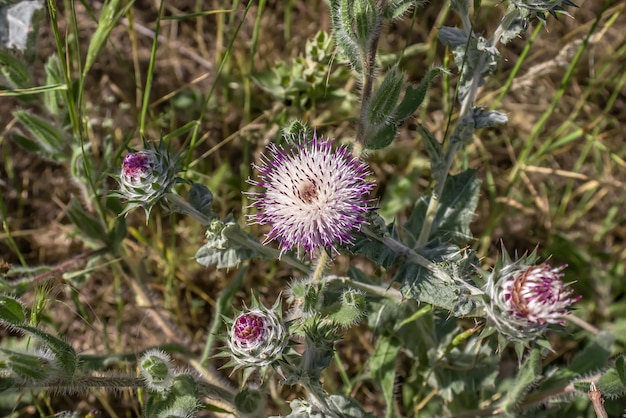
256, 338
397, 301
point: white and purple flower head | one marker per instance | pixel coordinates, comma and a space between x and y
314, 197
147, 175
257, 337
525, 298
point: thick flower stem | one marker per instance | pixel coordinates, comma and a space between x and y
385, 292
465, 112
321, 267
185, 208
411, 256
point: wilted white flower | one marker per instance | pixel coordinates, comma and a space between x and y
314, 196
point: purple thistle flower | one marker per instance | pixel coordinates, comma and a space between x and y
525, 298
137, 166
256, 338
314, 196
538, 295
250, 330
146, 176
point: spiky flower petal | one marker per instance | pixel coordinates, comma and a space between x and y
525, 298
314, 197
147, 175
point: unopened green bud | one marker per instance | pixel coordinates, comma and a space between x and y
156, 369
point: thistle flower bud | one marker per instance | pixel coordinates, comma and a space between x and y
256, 339
525, 298
156, 369
147, 175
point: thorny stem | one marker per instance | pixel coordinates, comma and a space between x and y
368, 63
466, 107
184, 207
411, 256
596, 399
385, 292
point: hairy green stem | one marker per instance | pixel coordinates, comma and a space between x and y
385, 292
184, 207
321, 267
466, 108
368, 64
411, 256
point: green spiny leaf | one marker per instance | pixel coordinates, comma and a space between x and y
382, 103
222, 249
201, 199
54, 75
610, 384
594, 356
365, 21
435, 153
382, 137
26, 366
14, 71
50, 141
414, 96
457, 205
382, 366
11, 311
63, 352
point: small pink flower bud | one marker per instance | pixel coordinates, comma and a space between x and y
256, 338
147, 176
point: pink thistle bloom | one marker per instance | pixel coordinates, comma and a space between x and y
314, 197
250, 330
256, 338
525, 299
538, 295
138, 165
